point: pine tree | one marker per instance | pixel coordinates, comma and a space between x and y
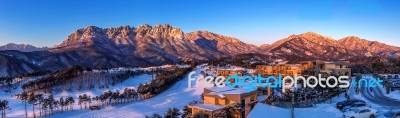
32, 100
24, 96
187, 112
3, 107
70, 102
201, 115
172, 113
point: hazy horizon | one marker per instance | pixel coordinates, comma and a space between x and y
47, 23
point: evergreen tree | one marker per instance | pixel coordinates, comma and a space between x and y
172, 113
3, 107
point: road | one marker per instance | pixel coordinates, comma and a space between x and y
378, 97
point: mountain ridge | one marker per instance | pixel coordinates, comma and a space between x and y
22, 47
146, 45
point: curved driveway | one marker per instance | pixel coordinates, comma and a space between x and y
378, 97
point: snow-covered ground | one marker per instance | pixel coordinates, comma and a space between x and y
16, 105
380, 108
145, 69
130, 83
17, 108
394, 94
177, 96
324, 110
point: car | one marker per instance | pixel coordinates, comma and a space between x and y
353, 105
361, 113
392, 114
94, 107
342, 104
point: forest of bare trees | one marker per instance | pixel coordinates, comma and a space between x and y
163, 81
38, 93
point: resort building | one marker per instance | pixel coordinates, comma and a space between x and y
216, 98
306, 68
313, 68
228, 72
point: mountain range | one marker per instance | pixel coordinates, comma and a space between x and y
147, 45
22, 47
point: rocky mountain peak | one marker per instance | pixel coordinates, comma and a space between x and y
353, 39
84, 36
210, 36
264, 46
356, 43
317, 38
159, 31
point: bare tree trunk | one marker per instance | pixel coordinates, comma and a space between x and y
26, 112
33, 110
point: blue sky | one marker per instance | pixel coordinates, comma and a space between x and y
49, 22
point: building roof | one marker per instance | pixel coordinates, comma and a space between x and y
262, 110
229, 90
208, 107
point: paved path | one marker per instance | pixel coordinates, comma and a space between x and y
378, 97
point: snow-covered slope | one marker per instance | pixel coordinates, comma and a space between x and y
17, 106
177, 96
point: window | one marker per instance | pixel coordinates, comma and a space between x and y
364, 111
252, 98
243, 106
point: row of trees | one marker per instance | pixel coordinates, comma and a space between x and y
34, 74
90, 80
248, 60
171, 113
375, 65
6, 83
53, 79
226, 112
47, 105
163, 81
3, 107
108, 98
77, 78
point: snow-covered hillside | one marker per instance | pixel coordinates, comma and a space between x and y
177, 96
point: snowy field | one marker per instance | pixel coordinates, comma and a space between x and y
324, 110
395, 94
380, 108
17, 106
177, 96
130, 83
